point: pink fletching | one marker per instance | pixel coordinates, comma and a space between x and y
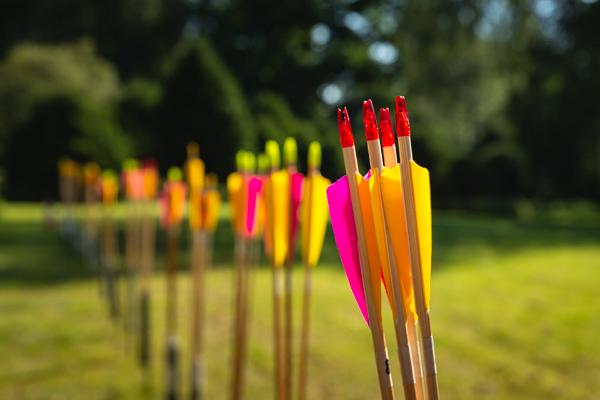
296, 180
344, 232
255, 184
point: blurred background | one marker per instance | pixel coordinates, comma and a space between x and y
505, 113
502, 94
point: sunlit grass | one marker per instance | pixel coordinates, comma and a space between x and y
515, 316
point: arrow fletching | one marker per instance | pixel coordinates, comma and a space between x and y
313, 217
422, 199
346, 239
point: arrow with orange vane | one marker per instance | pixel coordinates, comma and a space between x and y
417, 206
173, 207
91, 183
110, 194
391, 194
211, 207
244, 188
277, 206
389, 264
148, 235
194, 171
313, 223
132, 191
295, 179
358, 249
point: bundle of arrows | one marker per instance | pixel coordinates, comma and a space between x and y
382, 228
292, 201
173, 201
146, 257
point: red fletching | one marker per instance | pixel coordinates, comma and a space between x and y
402, 122
387, 132
346, 138
369, 121
149, 163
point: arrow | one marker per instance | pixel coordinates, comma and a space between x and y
313, 220
384, 246
391, 193
173, 202
369, 271
110, 192
277, 207
194, 170
149, 190
417, 205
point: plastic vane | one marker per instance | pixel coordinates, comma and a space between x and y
150, 173
194, 171
346, 239
391, 191
375, 262
211, 204
376, 225
313, 217
296, 181
91, 174
277, 191
237, 194
173, 198
110, 187
255, 185
422, 199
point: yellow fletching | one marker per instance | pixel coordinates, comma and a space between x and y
314, 214
211, 205
422, 199
277, 195
235, 187
150, 183
370, 240
110, 188
177, 201
380, 235
194, 170
393, 202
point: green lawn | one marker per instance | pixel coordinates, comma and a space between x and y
516, 315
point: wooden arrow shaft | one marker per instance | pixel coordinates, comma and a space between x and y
379, 346
415, 261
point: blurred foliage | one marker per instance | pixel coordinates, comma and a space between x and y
56, 100
202, 102
502, 94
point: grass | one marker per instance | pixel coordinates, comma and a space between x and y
515, 315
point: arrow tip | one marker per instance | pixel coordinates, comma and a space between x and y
387, 132
369, 121
346, 138
402, 122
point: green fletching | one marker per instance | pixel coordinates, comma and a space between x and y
250, 162
174, 174
240, 160
290, 151
109, 174
314, 155
263, 163
130, 164
272, 150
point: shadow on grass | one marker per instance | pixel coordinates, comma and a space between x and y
459, 236
32, 255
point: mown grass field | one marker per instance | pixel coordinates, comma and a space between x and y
516, 315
